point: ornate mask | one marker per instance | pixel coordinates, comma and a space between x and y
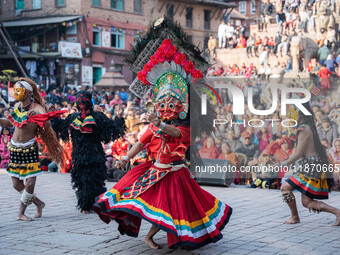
170, 96
169, 107
19, 92
84, 102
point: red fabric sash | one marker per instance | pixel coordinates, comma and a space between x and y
40, 119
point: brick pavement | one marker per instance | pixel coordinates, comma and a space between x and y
255, 226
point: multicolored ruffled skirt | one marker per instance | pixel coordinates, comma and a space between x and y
170, 200
315, 188
24, 159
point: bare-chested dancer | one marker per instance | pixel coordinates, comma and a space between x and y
24, 164
313, 184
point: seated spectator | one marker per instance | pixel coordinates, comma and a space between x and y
330, 37
250, 150
209, 149
219, 71
235, 70
327, 130
242, 43
232, 43
258, 44
281, 20
231, 139
228, 154
266, 22
249, 71
283, 47
227, 70
261, 23
250, 46
268, 72
262, 72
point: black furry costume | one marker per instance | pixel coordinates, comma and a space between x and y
88, 157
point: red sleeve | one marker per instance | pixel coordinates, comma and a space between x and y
185, 131
146, 137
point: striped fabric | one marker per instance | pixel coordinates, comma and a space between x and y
313, 188
17, 118
24, 171
82, 125
176, 204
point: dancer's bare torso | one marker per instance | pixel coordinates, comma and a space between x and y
29, 130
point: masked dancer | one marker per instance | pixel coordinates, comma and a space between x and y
29, 119
310, 157
161, 190
88, 129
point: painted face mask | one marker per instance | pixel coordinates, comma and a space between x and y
169, 108
84, 102
170, 96
19, 92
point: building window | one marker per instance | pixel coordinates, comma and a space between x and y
189, 38
207, 19
253, 7
96, 37
117, 40
20, 5
137, 6
36, 4
117, 4
188, 17
242, 7
96, 3
60, 3
170, 11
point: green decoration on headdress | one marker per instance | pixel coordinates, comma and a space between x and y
171, 84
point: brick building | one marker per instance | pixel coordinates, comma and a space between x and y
249, 8
74, 41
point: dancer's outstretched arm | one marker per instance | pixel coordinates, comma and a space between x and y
5, 123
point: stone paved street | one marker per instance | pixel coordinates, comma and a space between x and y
255, 226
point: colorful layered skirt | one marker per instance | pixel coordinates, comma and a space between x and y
170, 200
315, 188
24, 159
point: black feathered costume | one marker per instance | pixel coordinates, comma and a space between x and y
88, 131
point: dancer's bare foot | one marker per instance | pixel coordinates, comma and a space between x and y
292, 220
23, 217
149, 241
40, 207
337, 222
85, 212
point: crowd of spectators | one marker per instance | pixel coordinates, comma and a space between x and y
294, 19
261, 142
